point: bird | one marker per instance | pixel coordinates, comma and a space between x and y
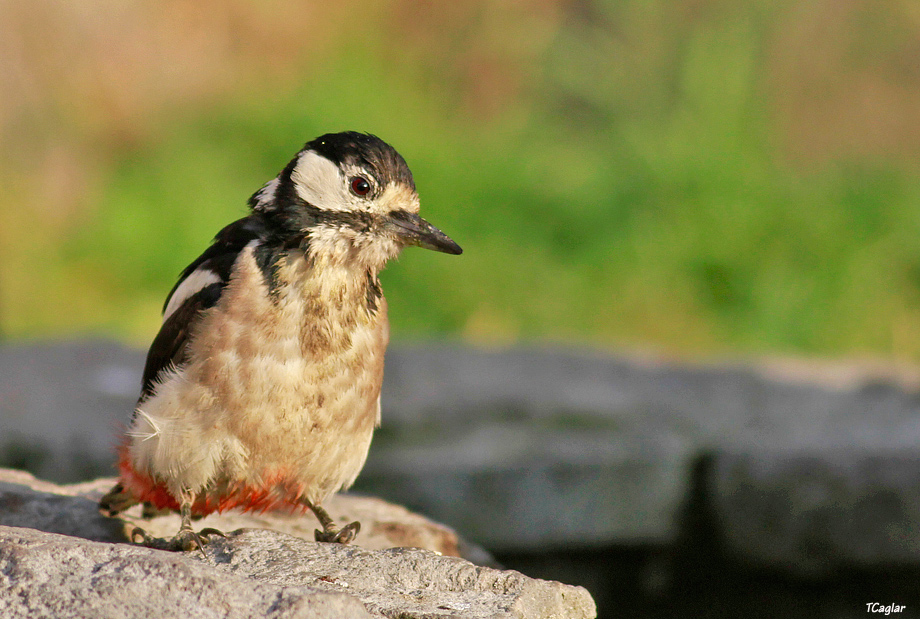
261, 390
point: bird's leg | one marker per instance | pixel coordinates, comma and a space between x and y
330, 532
186, 539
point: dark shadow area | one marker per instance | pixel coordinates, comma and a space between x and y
643, 583
698, 577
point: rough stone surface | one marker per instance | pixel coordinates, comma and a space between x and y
73, 562
43, 575
261, 573
73, 510
404, 582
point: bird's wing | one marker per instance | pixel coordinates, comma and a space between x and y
199, 288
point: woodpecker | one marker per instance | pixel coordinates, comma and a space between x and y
262, 388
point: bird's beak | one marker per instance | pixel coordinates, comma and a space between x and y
414, 230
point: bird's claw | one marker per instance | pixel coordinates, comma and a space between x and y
184, 541
345, 535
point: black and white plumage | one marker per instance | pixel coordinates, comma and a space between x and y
262, 387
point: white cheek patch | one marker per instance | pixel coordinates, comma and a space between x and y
319, 182
195, 282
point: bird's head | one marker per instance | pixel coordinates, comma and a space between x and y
350, 196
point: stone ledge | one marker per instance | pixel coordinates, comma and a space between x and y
72, 510
251, 572
43, 575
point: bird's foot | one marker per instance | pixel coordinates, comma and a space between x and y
116, 501
338, 536
186, 539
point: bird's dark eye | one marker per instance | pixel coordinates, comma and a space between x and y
360, 186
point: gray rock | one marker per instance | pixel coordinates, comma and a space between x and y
68, 510
73, 510
562, 449
812, 514
90, 571
62, 403
261, 573
403, 582
43, 575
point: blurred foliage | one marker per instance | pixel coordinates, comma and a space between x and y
700, 176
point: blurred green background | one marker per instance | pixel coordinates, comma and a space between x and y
701, 177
